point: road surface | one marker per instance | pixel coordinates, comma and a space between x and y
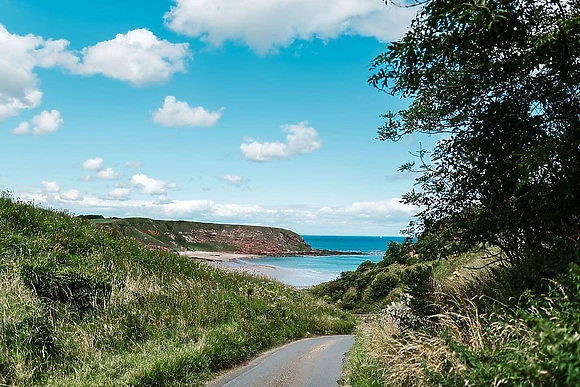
315, 362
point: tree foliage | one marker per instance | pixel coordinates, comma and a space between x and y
499, 81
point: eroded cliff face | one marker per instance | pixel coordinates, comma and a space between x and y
247, 240
182, 235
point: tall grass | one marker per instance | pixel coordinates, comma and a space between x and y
82, 307
475, 339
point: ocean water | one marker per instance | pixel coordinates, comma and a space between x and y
308, 271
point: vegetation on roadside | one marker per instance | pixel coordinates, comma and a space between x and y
83, 307
374, 286
490, 328
498, 80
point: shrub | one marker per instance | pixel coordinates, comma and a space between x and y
382, 285
419, 284
59, 281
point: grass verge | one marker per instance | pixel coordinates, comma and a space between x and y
498, 326
82, 307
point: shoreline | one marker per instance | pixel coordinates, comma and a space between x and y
217, 256
250, 264
221, 256
234, 262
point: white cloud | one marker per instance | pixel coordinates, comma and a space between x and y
133, 164
385, 217
266, 25
93, 164
72, 195
137, 57
18, 81
119, 193
86, 178
50, 186
108, 174
150, 186
175, 113
46, 122
301, 139
22, 128
233, 179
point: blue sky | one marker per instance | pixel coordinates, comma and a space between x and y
254, 112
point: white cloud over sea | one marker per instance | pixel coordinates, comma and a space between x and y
364, 217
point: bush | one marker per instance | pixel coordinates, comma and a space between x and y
419, 285
382, 285
59, 281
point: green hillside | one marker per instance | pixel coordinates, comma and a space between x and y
82, 307
185, 235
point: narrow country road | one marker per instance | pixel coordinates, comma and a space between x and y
315, 362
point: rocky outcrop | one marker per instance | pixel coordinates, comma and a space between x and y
249, 240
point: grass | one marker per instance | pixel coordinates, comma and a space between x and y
495, 326
82, 307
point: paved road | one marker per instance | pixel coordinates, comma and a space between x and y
315, 362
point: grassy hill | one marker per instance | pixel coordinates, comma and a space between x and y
185, 235
82, 307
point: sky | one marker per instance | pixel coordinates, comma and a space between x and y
248, 112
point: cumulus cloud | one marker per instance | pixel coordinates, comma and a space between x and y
175, 113
119, 193
22, 128
93, 164
19, 84
133, 164
137, 57
50, 186
301, 139
108, 174
43, 123
151, 186
265, 25
384, 217
72, 195
47, 122
233, 180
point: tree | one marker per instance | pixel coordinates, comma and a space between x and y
499, 80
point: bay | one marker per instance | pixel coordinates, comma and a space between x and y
305, 271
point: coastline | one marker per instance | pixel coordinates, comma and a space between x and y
217, 256
250, 264
235, 262
221, 256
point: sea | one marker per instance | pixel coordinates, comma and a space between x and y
306, 271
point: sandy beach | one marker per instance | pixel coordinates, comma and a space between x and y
216, 256
235, 262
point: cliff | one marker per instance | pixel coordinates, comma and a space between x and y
183, 235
